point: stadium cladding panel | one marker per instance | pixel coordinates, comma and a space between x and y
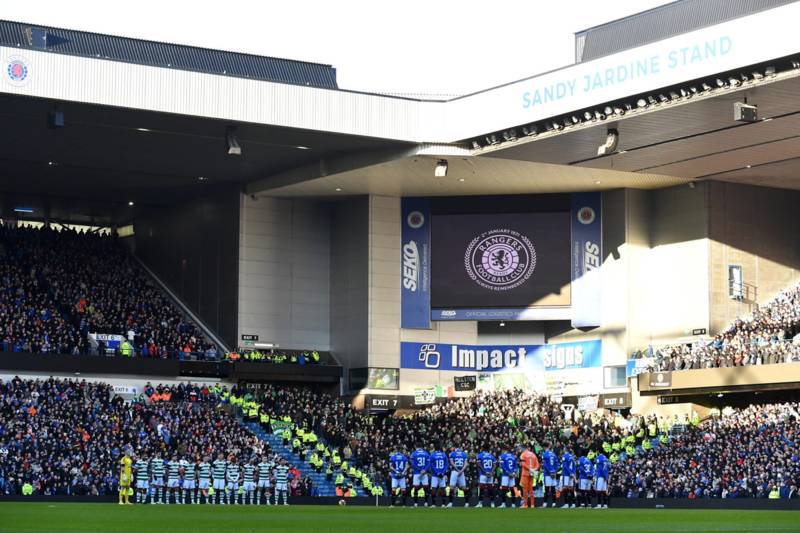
583, 285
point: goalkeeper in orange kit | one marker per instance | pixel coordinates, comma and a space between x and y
529, 464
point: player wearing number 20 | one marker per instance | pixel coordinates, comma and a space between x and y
486, 465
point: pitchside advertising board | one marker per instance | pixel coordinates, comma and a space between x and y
500, 265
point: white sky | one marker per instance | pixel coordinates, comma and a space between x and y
409, 46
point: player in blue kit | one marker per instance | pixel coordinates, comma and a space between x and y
509, 467
398, 463
486, 465
568, 479
601, 468
420, 466
458, 464
439, 464
550, 466
585, 474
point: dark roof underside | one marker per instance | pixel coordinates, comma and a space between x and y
79, 43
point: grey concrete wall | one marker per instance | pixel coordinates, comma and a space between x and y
756, 228
284, 272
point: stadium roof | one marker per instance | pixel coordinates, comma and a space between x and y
154, 131
85, 44
661, 22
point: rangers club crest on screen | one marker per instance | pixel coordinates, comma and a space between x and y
586, 215
17, 70
500, 259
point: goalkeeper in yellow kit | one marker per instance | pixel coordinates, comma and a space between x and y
125, 478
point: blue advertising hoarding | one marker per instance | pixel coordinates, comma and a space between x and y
415, 295
587, 256
497, 358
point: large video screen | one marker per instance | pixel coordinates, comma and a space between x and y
508, 260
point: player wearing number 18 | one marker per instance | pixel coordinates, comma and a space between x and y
439, 474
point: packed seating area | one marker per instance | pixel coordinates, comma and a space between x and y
60, 285
68, 436
745, 453
767, 336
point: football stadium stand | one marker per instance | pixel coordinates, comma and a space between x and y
767, 336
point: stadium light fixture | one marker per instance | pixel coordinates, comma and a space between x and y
795, 64
588, 115
707, 87
575, 119
641, 102
232, 142
598, 115
23, 210
143, 130
734, 82
770, 71
663, 99
476, 145
441, 168
301, 147
612, 140
502, 324
757, 75
530, 130
338, 189
130, 204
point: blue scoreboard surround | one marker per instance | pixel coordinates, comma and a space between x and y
586, 255
415, 265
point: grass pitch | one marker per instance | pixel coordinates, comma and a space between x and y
110, 518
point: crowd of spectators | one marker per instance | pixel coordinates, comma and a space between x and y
60, 285
767, 336
67, 436
745, 453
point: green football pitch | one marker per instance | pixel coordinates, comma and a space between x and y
109, 518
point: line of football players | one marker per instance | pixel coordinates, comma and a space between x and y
222, 481
578, 481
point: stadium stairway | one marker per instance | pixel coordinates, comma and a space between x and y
326, 488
